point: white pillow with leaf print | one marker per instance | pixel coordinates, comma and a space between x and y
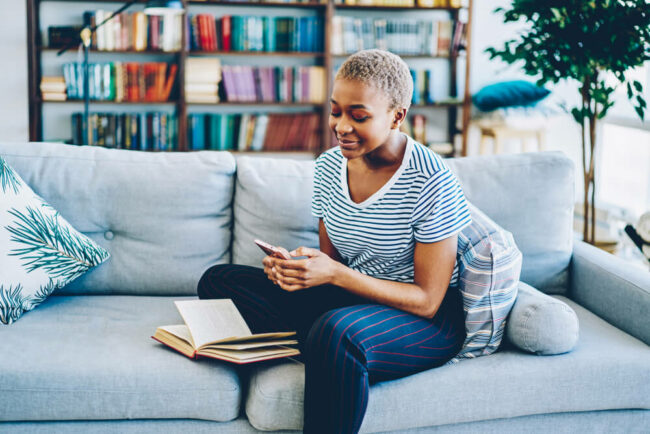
39, 250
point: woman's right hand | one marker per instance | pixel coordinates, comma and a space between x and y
268, 268
269, 263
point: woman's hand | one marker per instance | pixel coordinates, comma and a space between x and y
269, 264
297, 274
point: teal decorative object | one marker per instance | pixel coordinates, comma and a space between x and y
509, 94
39, 250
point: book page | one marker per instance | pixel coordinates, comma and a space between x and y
251, 354
211, 321
181, 331
247, 346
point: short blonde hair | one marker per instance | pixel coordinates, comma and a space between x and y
383, 70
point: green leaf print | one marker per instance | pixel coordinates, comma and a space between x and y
8, 178
51, 246
11, 302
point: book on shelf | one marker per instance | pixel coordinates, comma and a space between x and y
202, 77
134, 31
400, 36
62, 36
151, 131
216, 329
423, 87
53, 89
253, 132
302, 84
118, 81
254, 33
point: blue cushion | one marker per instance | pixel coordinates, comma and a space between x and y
92, 357
541, 324
40, 251
148, 209
489, 266
608, 369
509, 94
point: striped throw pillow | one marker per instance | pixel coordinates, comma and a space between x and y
489, 267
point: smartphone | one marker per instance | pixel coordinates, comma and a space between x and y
272, 250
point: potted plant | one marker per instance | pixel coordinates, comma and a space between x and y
596, 43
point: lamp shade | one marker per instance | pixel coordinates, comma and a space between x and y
160, 7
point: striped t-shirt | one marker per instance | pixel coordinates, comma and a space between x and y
422, 201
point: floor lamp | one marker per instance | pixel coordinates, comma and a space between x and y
86, 34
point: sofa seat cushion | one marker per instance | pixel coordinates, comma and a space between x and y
608, 369
92, 357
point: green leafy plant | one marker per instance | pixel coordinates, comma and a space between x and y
589, 42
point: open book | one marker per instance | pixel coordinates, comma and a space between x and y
215, 328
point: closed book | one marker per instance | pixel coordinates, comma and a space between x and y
143, 132
232, 130
243, 129
226, 32
201, 98
169, 82
239, 83
108, 82
216, 329
53, 84
259, 96
444, 38
222, 140
269, 34
164, 134
54, 96
228, 83
213, 127
249, 132
257, 142
140, 32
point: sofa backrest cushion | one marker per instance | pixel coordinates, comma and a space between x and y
489, 265
273, 203
532, 196
164, 217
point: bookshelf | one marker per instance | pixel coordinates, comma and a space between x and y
39, 56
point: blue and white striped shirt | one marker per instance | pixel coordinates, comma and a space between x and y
422, 201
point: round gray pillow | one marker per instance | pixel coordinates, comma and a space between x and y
541, 324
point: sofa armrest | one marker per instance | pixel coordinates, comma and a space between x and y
612, 289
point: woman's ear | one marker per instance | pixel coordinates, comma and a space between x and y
398, 117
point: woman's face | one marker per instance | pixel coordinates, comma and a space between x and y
360, 117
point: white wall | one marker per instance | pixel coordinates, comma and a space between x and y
14, 106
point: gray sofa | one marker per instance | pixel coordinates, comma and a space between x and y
83, 361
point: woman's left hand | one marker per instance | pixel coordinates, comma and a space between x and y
296, 274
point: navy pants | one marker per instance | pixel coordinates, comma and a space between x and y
347, 342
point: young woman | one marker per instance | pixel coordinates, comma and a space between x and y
380, 299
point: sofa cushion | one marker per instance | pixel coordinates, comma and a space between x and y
272, 202
92, 357
608, 369
489, 264
39, 250
508, 94
530, 195
541, 324
165, 217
